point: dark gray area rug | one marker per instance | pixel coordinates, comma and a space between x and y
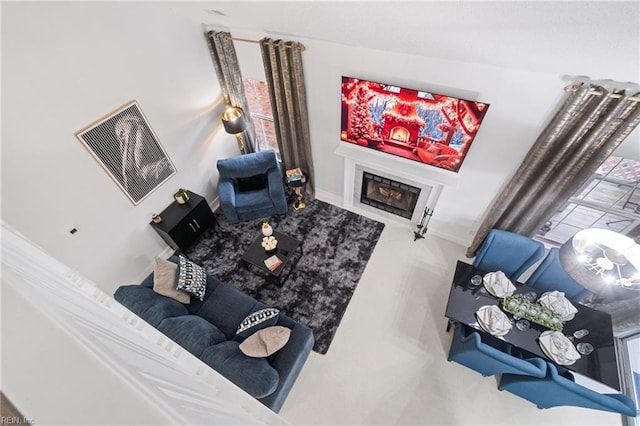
337, 245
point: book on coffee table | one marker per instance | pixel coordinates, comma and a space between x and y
272, 262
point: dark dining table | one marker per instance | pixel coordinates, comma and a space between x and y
600, 365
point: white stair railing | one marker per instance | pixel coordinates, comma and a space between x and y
182, 389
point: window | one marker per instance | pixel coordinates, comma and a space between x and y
629, 361
610, 199
257, 94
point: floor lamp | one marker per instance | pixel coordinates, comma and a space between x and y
234, 123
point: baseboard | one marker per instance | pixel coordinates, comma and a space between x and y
329, 197
449, 237
215, 204
337, 200
433, 230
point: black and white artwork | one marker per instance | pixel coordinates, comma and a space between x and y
126, 147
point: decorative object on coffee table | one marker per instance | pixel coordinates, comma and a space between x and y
269, 244
298, 182
273, 262
267, 230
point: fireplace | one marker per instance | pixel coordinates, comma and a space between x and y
358, 161
389, 195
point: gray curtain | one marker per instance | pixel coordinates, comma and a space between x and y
586, 130
285, 78
225, 62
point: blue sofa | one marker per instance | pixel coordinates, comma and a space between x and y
208, 328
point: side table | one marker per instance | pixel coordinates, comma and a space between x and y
183, 223
298, 182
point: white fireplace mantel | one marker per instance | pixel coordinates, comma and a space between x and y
358, 159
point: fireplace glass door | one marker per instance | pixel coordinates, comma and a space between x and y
389, 195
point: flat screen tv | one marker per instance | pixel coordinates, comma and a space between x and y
422, 126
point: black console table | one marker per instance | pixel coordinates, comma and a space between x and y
183, 223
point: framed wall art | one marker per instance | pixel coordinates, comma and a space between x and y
126, 147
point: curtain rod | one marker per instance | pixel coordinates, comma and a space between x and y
599, 93
247, 40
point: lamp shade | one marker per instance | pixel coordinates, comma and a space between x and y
233, 120
604, 262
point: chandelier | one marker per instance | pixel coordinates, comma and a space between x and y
608, 257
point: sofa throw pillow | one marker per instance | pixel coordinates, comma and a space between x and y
256, 321
265, 342
164, 281
191, 278
252, 183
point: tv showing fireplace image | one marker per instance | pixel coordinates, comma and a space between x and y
422, 126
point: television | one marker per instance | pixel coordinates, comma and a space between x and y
422, 126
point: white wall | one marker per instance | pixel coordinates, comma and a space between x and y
520, 104
65, 65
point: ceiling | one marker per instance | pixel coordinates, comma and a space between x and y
600, 40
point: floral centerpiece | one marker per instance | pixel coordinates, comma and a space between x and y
269, 244
518, 305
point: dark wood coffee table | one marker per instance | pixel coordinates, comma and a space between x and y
255, 256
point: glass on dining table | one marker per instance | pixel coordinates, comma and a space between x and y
522, 324
579, 334
531, 296
584, 348
475, 281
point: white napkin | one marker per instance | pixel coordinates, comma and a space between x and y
558, 347
498, 284
556, 301
493, 320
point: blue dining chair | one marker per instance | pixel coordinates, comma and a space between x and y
468, 349
550, 276
555, 390
508, 252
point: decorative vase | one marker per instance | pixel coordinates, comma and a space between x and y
267, 230
182, 196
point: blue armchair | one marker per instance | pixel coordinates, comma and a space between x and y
550, 275
251, 186
508, 252
556, 390
468, 349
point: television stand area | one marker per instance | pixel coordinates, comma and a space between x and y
182, 224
